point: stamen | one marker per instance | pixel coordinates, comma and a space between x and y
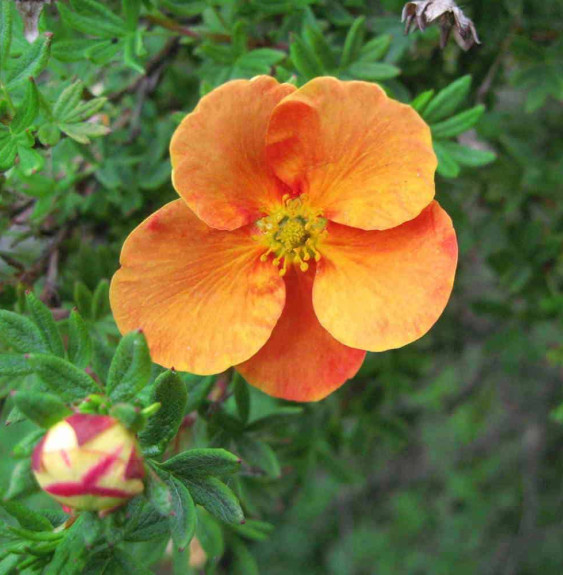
292, 234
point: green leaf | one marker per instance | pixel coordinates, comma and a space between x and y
130, 416
458, 123
131, 11
82, 132
31, 63
28, 109
466, 156
170, 392
8, 151
158, 492
243, 560
5, 32
20, 333
44, 409
259, 454
421, 101
100, 300
27, 518
201, 462
447, 100
183, 519
242, 398
31, 161
71, 553
447, 166
68, 381
128, 564
43, 317
353, 42
254, 530
373, 71
321, 48
14, 365
22, 481
145, 522
375, 49
130, 369
217, 498
83, 299
304, 59
93, 19
79, 342
68, 101
25, 447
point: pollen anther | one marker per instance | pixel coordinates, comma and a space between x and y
292, 234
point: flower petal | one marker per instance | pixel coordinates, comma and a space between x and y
301, 361
380, 290
218, 153
363, 158
202, 297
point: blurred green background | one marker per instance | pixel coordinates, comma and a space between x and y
442, 457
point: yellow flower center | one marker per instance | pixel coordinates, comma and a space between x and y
291, 233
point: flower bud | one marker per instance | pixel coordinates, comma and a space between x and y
89, 462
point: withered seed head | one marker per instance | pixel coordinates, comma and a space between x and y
448, 15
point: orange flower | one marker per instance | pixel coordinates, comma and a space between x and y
305, 234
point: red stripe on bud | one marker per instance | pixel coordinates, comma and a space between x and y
135, 468
88, 425
36, 464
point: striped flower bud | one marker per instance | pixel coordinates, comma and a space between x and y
89, 462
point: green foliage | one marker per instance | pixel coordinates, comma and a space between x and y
440, 457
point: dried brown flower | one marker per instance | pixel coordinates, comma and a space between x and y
448, 16
30, 10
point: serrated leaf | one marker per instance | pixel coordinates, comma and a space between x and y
457, 124
14, 365
43, 317
353, 43
202, 462
79, 342
27, 518
447, 166
216, 497
85, 110
259, 454
183, 520
130, 369
170, 392
5, 32
304, 59
68, 381
447, 100
421, 101
44, 409
373, 71
20, 333
31, 63
27, 110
